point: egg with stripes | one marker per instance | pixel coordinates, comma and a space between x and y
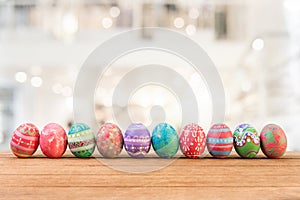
25, 140
246, 141
81, 140
219, 141
137, 140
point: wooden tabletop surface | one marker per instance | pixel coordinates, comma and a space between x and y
127, 178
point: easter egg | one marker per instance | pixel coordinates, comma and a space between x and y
53, 140
246, 141
165, 140
192, 141
137, 140
25, 140
109, 140
219, 141
273, 141
81, 140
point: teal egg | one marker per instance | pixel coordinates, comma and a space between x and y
81, 140
165, 140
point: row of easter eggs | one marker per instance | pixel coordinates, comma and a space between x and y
137, 141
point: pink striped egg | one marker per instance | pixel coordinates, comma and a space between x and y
25, 140
219, 141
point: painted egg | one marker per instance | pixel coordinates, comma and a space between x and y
109, 140
25, 140
165, 140
53, 140
81, 140
273, 141
246, 141
192, 141
137, 140
219, 141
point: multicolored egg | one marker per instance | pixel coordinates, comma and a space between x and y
246, 141
192, 141
165, 140
273, 141
25, 140
137, 140
219, 141
109, 140
81, 140
53, 140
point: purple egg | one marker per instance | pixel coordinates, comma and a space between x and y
137, 140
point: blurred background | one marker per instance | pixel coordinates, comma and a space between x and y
255, 45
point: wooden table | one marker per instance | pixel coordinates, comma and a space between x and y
207, 178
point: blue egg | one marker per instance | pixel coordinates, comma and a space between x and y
165, 140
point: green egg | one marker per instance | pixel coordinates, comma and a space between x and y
246, 141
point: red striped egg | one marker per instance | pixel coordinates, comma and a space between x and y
219, 141
192, 141
25, 140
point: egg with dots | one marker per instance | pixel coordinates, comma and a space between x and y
137, 140
246, 141
192, 140
219, 141
25, 140
165, 140
109, 140
81, 140
53, 140
273, 141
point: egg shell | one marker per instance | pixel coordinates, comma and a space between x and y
273, 141
165, 141
246, 141
81, 140
109, 140
219, 141
25, 140
192, 140
137, 140
53, 140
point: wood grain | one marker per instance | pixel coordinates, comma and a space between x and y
207, 178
